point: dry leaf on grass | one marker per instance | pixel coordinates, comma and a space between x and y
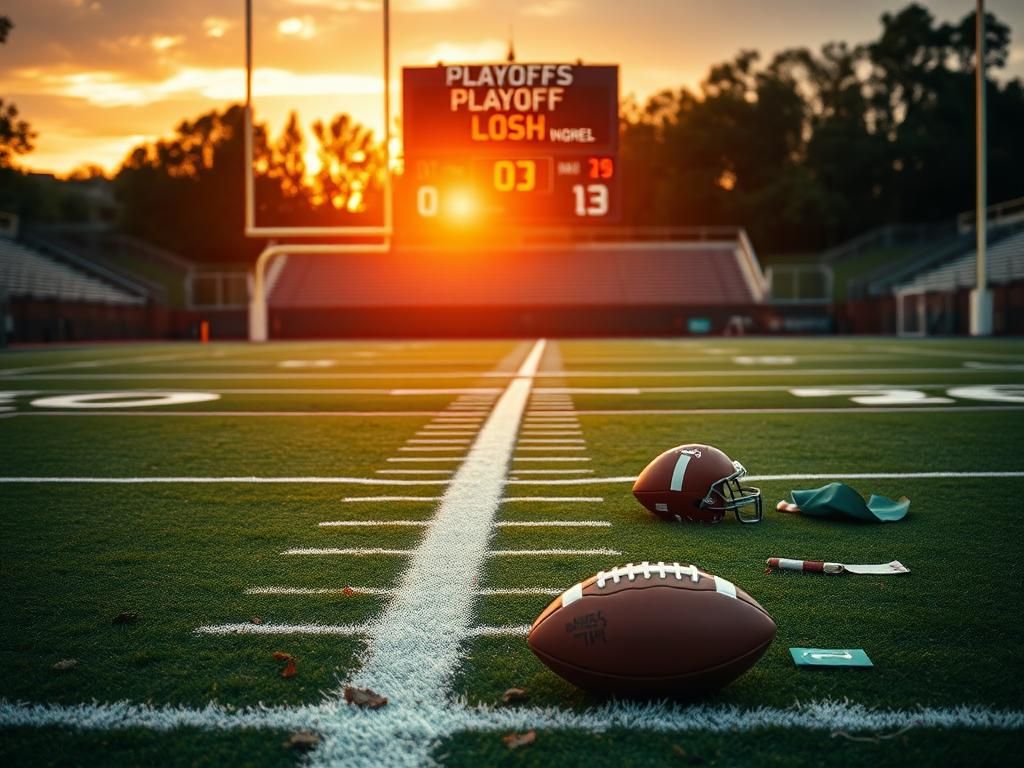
348, 591
364, 697
289, 669
516, 740
282, 656
256, 620
125, 617
302, 741
64, 665
513, 695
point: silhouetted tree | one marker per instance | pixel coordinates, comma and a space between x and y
16, 134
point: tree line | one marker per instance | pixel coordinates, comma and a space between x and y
804, 150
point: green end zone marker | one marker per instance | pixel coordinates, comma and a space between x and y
830, 657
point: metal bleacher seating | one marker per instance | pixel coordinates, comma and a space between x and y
27, 273
1005, 264
639, 274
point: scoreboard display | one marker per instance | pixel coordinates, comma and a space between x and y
520, 143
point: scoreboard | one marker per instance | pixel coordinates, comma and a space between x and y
520, 143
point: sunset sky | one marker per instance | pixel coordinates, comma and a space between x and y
96, 77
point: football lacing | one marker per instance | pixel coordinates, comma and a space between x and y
660, 569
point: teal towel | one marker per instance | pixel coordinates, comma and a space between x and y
840, 499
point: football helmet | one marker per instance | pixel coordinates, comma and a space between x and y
697, 483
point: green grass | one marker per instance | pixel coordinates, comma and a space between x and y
182, 555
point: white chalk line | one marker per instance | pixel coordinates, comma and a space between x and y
382, 552
553, 499
499, 524
436, 720
434, 449
550, 458
553, 471
574, 481
440, 441
551, 448
360, 499
435, 606
352, 591
413, 471
397, 459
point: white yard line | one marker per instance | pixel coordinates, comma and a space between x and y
553, 552
440, 441
433, 449
358, 499
436, 719
414, 471
435, 605
550, 458
551, 448
553, 440
553, 499
574, 481
397, 459
552, 471
500, 524
350, 551
374, 523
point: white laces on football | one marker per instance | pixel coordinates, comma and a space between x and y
647, 570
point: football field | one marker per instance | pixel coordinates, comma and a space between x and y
394, 515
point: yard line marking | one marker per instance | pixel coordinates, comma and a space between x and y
519, 592
553, 471
413, 471
323, 376
550, 458
353, 551
420, 458
552, 552
241, 480
356, 499
549, 440
551, 448
373, 523
432, 441
459, 433
434, 605
554, 499
451, 391
346, 590
343, 630
440, 718
433, 449
504, 631
102, 363
553, 524
229, 414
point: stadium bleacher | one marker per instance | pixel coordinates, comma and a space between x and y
1005, 264
640, 274
25, 272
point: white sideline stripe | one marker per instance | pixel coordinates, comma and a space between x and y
556, 499
414, 471
519, 592
549, 432
551, 552
437, 719
550, 458
353, 551
357, 499
440, 441
854, 408
573, 481
429, 431
434, 605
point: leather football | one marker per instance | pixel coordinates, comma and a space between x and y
653, 629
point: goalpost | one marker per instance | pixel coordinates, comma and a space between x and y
258, 314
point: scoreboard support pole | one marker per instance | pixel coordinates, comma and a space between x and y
981, 296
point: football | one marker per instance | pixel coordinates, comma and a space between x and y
653, 629
697, 483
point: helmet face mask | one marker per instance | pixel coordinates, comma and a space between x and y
728, 494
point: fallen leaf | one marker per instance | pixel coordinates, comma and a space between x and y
303, 741
125, 617
364, 697
516, 740
289, 669
256, 620
513, 695
64, 665
282, 656
348, 591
